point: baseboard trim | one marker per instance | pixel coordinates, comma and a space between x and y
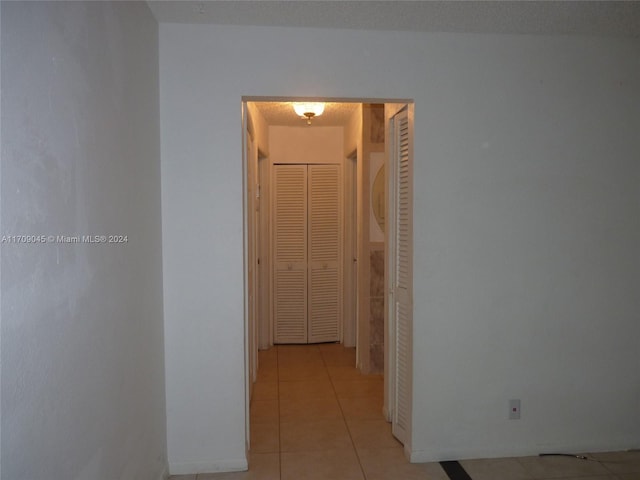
165, 474
190, 468
506, 451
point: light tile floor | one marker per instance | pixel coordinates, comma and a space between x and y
315, 417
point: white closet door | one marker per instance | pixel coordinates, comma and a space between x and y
402, 288
325, 248
290, 253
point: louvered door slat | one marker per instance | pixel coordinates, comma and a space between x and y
325, 246
290, 254
401, 422
324, 306
307, 253
291, 306
403, 366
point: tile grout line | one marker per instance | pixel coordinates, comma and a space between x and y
344, 419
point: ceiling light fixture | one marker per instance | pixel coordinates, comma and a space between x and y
308, 110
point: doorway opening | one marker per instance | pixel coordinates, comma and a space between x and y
328, 237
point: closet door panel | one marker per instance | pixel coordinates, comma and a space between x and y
325, 253
290, 254
307, 239
402, 285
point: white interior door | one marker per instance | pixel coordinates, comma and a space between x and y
400, 260
290, 254
307, 240
325, 247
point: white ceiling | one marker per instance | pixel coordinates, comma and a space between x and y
533, 17
282, 114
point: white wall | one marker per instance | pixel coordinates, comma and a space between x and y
1, 356
259, 130
258, 127
82, 325
352, 143
353, 132
526, 204
306, 145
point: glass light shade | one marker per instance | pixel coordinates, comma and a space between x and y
314, 108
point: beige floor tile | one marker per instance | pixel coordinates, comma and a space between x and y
262, 466
372, 434
362, 408
265, 391
264, 411
268, 358
302, 371
333, 347
268, 362
620, 462
322, 408
265, 437
590, 477
304, 389
314, 436
359, 388
270, 354
295, 354
495, 469
294, 361
345, 358
345, 372
325, 465
559, 467
391, 464
267, 373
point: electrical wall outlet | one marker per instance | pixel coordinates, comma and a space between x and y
514, 409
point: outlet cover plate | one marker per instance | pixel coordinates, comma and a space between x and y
514, 409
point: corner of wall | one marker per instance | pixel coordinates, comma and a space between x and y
191, 468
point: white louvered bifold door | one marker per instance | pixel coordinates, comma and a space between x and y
290, 254
325, 247
402, 288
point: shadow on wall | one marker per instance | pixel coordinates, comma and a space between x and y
374, 146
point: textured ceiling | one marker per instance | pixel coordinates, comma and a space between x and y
282, 114
534, 17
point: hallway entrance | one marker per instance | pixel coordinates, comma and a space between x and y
329, 246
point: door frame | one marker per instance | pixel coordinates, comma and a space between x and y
265, 328
350, 313
389, 379
310, 264
390, 408
247, 239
